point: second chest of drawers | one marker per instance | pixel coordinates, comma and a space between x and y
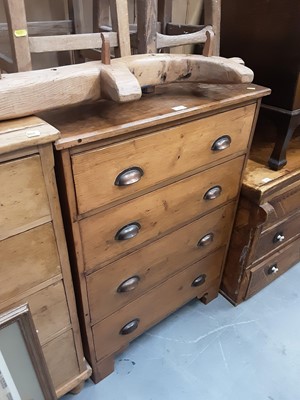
265, 241
150, 195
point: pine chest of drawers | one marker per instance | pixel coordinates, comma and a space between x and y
34, 261
265, 241
150, 191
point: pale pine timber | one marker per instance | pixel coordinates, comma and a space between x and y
75, 84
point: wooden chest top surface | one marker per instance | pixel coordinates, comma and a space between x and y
91, 122
260, 181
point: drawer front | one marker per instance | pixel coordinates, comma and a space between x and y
157, 157
49, 311
24, 200
286, 203
61, 359
278, 236
121, 282
155, 305
151, 215
27, 260
264, 273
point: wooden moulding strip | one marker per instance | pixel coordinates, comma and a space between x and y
35, 91
42, 44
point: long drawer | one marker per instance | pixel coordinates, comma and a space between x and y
265, 272
24, 200
120, 328
151, 215
27, 260
61, 358
277, 236
123, 281
150, 159
49, 310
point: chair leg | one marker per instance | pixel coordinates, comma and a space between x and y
18, 34
286, 125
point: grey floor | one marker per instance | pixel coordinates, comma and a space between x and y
215, 352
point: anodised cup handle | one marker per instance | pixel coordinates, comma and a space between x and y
206, 240
128, 231
199, 280
221, 143
129, 284
129, 176
213, 193
130, 327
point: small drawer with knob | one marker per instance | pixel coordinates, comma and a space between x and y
131, 276
113, 233
121, 327
265, 272
111, 173
278, 236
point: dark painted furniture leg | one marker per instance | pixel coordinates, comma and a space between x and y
286, 125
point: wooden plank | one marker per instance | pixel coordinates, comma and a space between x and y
61, 27
42, 44
212, 16
179, 29
164, 14
76, 9
79, 83
101, 14
164, 41
17, 27
120, 24
47, 159
146, 32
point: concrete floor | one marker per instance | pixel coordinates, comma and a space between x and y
215, 352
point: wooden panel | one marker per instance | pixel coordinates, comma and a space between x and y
24, 200
49, 310
283, 260
150, 308
60, 355
156, 212
161, 155
27, 260
155, 262
288, 229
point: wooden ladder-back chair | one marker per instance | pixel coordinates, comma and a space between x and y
23, 44
155, 32
153, 14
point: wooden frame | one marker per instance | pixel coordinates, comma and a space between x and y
21, 316
57, 37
